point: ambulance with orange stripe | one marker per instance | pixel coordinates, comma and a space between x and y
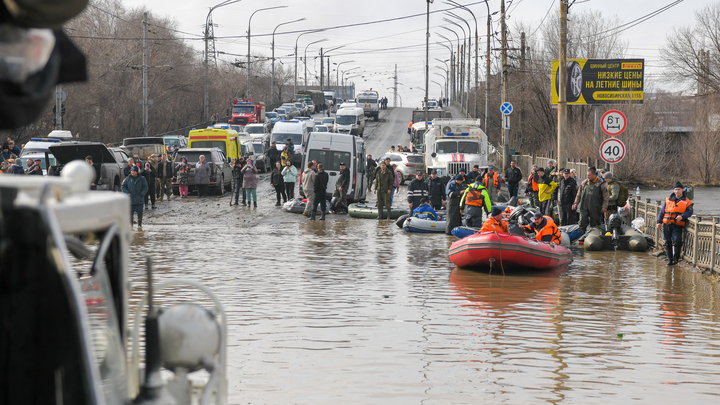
454, 144
224, 138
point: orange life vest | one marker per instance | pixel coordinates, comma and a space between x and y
533, 183
508, 211
492, 225
477, 196
673, 208
494, 176
548, 229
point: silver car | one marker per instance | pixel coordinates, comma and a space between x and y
408, 164
330, 123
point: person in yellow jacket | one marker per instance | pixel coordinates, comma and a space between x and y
474, 201
546, 187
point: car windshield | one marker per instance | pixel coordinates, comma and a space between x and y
281, 111
469, 147
171, 142
321, 128
257, 148
271, 114
209, 144
243, 109
415, 159
447, 147
329, 158
367, 100
194, 157
254, 130
328, 120
345, 119
281, 138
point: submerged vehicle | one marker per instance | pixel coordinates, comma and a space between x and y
65, 324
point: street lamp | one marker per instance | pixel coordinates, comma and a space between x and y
247, 86
462, 57
272, 79
305, 57
451, 69
337, 73
296, 54
322, 60
469, 53
427, 59
454, 3
456, 64
445, 78
207, 73
441, 88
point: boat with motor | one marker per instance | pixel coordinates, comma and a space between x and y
567, 238
360, 210
419, 225
614, 236
65, 316
507, 252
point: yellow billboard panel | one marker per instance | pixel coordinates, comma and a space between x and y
601, 81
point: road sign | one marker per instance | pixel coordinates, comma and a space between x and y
612, 150
506, 108
613, 122
506, 121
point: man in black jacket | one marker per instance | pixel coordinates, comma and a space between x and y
321, 182
150, 174
274, 154
371, 166
513, 175
416, 191
342, 186
237, 183
165, 175
566, 197
436, 191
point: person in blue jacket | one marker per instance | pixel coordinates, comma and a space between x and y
454, 192
425, 211
136, 186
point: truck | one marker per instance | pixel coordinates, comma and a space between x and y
419, 115
330, 97
317, 97
368, 100
244, 112
454, 144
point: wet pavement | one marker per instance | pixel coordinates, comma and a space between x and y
356, 311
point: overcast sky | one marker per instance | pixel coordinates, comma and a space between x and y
376, 48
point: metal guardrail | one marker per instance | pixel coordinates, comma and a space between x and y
701, 238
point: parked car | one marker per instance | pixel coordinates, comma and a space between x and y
282, 114
120, 156
292, 111
175, 140
108, 171
310, 107
272, 117
329, 122
256, 149
221, 170
408, 164
321, 128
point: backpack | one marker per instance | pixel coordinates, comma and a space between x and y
623, 196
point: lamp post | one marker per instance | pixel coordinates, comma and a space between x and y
337, 73
487, 68
427, 60
305, 57
272, 79
322, 60
454, 3
296, 55
458, 66
345, 86
462, 61
247, 86
445, 81
342, 76
469, 54
207, 72
451, 95
441, 87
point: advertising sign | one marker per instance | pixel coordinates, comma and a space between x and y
601, 81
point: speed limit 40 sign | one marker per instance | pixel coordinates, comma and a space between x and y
612, 150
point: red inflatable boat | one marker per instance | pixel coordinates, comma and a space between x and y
505, 251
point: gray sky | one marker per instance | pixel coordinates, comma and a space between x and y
376, 48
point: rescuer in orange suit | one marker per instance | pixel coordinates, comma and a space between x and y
674, 214
495, 223
544, 228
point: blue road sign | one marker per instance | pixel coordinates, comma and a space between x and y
506, 108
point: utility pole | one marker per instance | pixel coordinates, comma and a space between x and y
487, 73
427, 61
58, 107
328, 73
562, 84
469, 73
503, 56
322, 69
395, 104
209, 34
145, 76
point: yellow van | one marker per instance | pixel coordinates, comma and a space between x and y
223, 138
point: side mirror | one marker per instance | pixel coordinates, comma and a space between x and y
433, 154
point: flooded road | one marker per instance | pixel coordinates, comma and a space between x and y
356, 311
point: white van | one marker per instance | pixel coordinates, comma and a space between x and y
350, 121
331, 149
295, 130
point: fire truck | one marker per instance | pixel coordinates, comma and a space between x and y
244, 112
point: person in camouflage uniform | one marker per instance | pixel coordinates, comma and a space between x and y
165, 175
591, 199
384, 180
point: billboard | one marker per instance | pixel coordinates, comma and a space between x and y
601, 81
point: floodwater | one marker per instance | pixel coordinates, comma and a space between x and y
356, 311
706, 199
